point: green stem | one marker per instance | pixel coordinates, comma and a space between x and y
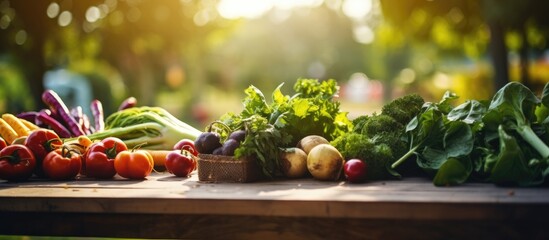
406, 156
530, 136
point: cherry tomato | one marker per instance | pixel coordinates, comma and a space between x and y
3, 143
41, 142
355, 170
99, 159
17, 162
180, 163
136, 164
62, 163
186, 144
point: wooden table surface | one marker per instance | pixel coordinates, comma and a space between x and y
164, 206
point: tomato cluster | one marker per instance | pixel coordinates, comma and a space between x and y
45, 155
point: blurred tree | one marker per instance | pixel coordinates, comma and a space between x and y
453, 24
140, 39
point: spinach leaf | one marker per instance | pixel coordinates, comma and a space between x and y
453, 171
511, 165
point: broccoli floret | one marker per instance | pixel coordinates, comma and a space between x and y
380, 124
359, 122
376, 156
403, 109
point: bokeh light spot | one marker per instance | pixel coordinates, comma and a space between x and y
21, 37
53, 10
65, 18
93, 14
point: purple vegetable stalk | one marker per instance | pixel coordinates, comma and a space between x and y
29, 116
128, 103
97, 110
56, 126
56, 104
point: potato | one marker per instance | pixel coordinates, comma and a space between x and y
309, 142
325, 162
294, 162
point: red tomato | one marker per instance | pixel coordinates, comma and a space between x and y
41, 142
180, 163
186, 144
3, 143
134, 164
62, 163
16, 162
99, 159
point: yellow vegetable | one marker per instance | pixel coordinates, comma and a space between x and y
29, 125
7, 131
16, 124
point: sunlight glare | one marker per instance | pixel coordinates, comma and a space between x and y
233, 9
357, 9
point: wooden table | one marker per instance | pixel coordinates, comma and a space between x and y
164, 206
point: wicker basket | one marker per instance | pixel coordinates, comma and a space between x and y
217, 168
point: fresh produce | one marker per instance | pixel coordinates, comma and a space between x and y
262, 140
62, 164
53, 124
159, 157
13, 128
97, 110
20, 128
134, 164
180, 162
377, 140
7, 131
99, 159
355, 170
128, 103
207, 142
503, 140
3, 143
294, 162
41, 142
186, 144
312, 110
58, 107
325, 162
17, 163
148, 127
309, 142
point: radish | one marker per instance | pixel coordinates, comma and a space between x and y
57, 106
355, 170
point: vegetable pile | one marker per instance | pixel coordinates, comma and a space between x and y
269, 127
502, 141
60, 144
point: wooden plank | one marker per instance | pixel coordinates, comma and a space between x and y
163, 194
258, 227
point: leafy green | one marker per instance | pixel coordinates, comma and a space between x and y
514, 106
511, 166
311, 110
444, 138
148, 127
377, 139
